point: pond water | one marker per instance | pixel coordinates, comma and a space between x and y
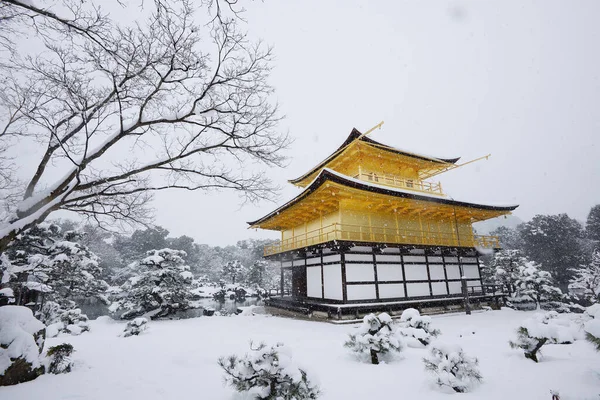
94, 308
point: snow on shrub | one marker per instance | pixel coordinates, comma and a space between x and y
268, 373
135, 327
162, 288
542, 329
375, 336
73, 322
416, 326
592, 327
452, 367
21, 342
59, 358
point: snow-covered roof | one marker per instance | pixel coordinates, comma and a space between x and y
330, 175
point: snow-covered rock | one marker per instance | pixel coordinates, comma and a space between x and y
21, 342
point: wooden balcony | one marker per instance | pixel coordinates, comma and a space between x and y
402, 183
358, 233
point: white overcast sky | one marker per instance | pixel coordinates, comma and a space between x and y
519, 79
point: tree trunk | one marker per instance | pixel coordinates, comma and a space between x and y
532, 355
374, 359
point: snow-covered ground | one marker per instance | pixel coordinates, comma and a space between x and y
178, 359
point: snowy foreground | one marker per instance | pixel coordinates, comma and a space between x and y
178, 359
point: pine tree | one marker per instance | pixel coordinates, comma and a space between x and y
536, 284
162, 287
257, 273
452, 367
505, 267
587, 279
592, 326
555, 242
376, 335
592, 226
233, 271
537, 331
268, 373
417, 326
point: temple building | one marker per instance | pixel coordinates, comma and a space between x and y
371, 232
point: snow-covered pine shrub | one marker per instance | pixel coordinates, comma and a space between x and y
452, 367
417, 326
135, 327
72, 321
21, 342
376, 335
267, 372
543, 328
162, 287
59, 358
536, 284
587, 280
592, 327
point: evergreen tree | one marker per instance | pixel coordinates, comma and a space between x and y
233, 271
45, 258
268, 373
510, 239
417, 326
592, 226
505, 268
162, 287
257, 273
587, 279
452, 367
554, 241
538, 285
376, 335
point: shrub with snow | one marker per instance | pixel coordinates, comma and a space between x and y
135, 327
452, 367
417, 326
543, 328
376, 335
21, 342
72, 321
162, 288
59, 358
268, 373
536, 284
592, 327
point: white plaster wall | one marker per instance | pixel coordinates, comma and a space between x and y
471, 271
332, 281
439, 288
313, 282
389, 272
416, 272
454, 287
360, 272
312, 261
434, 259
359, 257
417, 289
414, 259
453, 271
331, 258
388, 257
391, 290
436, 271
360, 292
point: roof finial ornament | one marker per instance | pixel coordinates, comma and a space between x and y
370, 130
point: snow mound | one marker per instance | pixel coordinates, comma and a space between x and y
18, 331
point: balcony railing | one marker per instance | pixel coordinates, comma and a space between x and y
402, 183
359, 233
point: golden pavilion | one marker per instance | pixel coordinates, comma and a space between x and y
371, 231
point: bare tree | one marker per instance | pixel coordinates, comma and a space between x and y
120, 112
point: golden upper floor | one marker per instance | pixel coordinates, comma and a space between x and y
365, 159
